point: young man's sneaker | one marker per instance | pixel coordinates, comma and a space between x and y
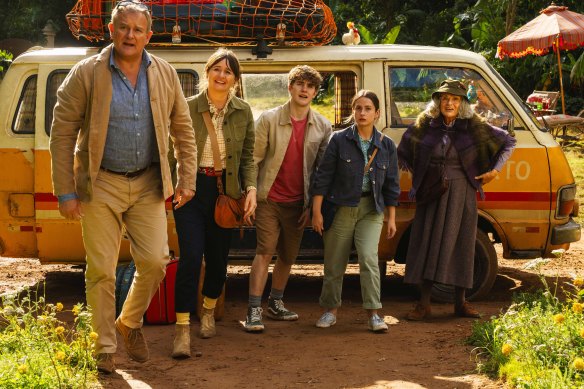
327, 319
253, 320
376, 324
277, 310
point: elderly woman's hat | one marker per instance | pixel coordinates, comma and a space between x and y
454, 87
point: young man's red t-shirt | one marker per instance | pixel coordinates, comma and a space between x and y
289, 183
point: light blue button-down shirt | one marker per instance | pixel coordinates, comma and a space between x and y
131, 141
365, 144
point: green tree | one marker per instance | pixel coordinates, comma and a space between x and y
482, 25
26, 19
5, 60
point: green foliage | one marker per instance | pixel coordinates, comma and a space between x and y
368, 38
25, 19
577, 73
576, 161
538, 342
483, 24
420, 22
38, 350
5, 60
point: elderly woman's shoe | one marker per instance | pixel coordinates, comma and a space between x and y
420, 312
466, 310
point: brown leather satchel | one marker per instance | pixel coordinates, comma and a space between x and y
228, 211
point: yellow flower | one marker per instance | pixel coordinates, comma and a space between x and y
578, 364
579, 281
60, 355
59, 307
506, 349
559, 318
75, 310
582, 332
93, 336
577, 308
59, 330
22, 369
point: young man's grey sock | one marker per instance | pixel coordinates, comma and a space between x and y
254, 301
276, 294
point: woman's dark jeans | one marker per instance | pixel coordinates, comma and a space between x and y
199, 235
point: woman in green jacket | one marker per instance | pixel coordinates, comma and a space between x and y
198, 234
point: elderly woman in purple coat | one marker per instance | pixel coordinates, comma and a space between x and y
451, 152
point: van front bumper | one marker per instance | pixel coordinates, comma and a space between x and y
566, 233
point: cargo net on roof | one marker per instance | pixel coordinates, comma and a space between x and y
235, 22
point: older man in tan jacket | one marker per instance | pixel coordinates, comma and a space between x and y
109, 144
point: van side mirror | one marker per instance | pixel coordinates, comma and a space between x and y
511, 126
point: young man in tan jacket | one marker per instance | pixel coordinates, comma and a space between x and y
290, 140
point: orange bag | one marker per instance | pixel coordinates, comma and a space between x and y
229, 211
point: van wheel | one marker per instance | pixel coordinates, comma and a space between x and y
485, 272
382, 269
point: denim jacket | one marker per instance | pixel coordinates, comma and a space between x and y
340, 174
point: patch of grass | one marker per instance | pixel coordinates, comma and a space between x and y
326, 107
37, 350
576, 160
538, 342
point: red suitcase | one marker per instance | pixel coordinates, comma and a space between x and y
161, 308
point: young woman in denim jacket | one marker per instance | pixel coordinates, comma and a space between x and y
360, 200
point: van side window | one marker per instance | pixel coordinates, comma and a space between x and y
264, 91
189, 81
411, 90
25, 117
54, 81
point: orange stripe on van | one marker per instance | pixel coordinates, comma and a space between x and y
506, 200
493, 200
49, 202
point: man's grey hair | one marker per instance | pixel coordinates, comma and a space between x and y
465, 110
133, 6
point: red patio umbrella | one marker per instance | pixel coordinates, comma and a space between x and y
555, 27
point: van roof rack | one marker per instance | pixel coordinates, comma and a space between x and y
219, 22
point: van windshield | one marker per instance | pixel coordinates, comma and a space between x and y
411, 90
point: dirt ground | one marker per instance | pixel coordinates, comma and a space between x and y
297, 354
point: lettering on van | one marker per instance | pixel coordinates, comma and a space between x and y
520, 169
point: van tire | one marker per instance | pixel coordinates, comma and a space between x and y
485, 273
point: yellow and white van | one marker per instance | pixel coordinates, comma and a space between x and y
528, 209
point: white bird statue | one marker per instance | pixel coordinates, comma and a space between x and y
352, 37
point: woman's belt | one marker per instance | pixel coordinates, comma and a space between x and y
209, 171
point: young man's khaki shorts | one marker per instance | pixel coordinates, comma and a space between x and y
278, 230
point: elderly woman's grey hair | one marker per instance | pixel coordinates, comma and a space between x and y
465, 110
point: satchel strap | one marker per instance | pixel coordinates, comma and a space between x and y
373, 155
215, 148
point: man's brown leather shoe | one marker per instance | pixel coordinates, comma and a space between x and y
136, 346
420, 312
466, 310
105, 363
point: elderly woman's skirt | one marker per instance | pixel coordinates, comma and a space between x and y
442, 241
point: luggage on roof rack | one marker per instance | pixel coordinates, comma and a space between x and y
231, 22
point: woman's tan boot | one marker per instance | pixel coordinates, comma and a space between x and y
207, 329
182, 341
